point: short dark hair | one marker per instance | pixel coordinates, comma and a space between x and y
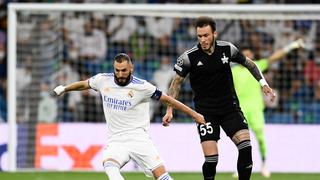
205, 21
122, 57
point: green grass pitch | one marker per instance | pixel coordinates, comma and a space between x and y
140, 176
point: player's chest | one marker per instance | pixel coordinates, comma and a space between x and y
114, 97
216, 62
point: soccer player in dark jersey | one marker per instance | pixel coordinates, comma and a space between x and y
208, 66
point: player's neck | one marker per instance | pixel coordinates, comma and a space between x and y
210, 50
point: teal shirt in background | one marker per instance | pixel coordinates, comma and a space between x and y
247, 87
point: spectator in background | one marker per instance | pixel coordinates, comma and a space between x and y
230, 30
120, 29
92, 46
24, 69
139, 43
284, 33
251, 97
88, 109
161, 78
161, 29
315, 106
3, 70
312, 67
67, 105
92, 43
72, 22
47, 108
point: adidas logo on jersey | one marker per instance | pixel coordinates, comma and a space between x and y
200, 63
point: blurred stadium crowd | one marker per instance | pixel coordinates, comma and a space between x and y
62, 48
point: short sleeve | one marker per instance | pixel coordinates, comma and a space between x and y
94, 82
149, 89
236, 55
182, 66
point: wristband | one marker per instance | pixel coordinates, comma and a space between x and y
263, 82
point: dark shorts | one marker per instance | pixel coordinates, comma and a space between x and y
230, 122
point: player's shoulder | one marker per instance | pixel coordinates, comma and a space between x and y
224, 43
191, 50
136, 80
104, 75
186, 54
140, 84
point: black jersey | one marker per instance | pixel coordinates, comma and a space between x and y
211, 76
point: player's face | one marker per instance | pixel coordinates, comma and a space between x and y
122, 72
206, 37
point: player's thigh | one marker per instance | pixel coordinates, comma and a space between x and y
144, 153
211, 130
117, 152
209, 148
233, 123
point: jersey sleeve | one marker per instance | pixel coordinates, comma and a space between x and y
236, 55
94, 82
152, 91
182, 66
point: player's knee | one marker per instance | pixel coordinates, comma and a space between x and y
241, 135
165, 176
245, 155
112, 169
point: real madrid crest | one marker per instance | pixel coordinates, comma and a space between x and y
130, 94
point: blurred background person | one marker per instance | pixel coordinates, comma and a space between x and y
251, 97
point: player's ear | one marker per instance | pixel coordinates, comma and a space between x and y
215, 34
132, 68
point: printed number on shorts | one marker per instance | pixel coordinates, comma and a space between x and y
206, 128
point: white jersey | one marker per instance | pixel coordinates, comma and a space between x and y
126, 108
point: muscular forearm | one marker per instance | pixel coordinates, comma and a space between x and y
174, 88
254, 70
169, 101
77, 86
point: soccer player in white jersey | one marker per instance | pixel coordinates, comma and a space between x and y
126, 108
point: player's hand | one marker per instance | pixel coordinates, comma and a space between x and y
199, 118
58, 90
299, 43
167, 119
269, 92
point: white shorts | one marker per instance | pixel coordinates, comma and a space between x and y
136, 146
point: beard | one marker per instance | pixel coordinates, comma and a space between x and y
207, 47
122, 81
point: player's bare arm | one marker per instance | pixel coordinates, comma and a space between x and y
175, 86
255, 71
181, 107
76, 86
173, 91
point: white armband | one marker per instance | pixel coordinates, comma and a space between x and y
263, 82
